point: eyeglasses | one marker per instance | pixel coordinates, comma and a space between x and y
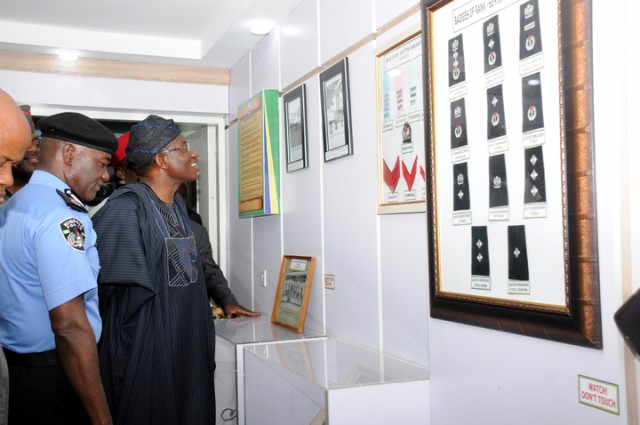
186, 147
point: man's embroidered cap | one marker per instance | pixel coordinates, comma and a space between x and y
148, 138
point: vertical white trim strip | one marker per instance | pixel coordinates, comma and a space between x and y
319, 58
626, 265
379, 285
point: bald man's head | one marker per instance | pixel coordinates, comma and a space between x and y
15, 138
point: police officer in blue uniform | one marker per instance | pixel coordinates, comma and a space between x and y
49, 317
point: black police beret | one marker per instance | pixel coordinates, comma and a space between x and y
79, 129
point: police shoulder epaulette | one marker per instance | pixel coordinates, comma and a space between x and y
72, 200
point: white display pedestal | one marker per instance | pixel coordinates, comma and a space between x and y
331, 381
231, 336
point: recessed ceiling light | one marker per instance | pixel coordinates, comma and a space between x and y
260, 26
68, 56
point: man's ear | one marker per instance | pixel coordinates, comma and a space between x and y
161, 161
68, 153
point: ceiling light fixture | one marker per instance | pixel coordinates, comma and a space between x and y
260, 26
68, 56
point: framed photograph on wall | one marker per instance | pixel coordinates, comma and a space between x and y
292, 294
295, 127
400, 129
510, 181
336, 111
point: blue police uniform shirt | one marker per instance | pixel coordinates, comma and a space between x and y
48, 257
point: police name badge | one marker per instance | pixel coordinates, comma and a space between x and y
72, 230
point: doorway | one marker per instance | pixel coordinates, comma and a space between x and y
207, 136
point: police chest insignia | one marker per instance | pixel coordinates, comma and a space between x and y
73, 232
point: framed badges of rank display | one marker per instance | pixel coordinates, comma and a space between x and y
510, 186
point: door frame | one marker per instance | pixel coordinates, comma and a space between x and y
216, 160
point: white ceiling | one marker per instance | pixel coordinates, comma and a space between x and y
207, 33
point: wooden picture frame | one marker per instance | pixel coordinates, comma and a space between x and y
516, 78
292, 294
295, 128
336, 111
400, 125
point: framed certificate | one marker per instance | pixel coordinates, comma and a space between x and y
400, 109
510, 181
259, 155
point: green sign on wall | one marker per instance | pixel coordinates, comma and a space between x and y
259, 155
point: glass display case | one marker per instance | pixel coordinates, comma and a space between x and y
231, 336
328, 381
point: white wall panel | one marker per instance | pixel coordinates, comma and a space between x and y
633, 151
342, 24
239, 85
299, 42
265, 63
240, 229
631, 278
399, 31
267, 246
387, 10
403, 245
503, 379
240, 275
350, 189
267, 255
302, 204
405, 285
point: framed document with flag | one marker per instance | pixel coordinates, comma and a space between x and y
259, 155
400, 119
510, 164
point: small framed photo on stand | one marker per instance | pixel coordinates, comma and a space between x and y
336, 111
295, 128
292, 295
